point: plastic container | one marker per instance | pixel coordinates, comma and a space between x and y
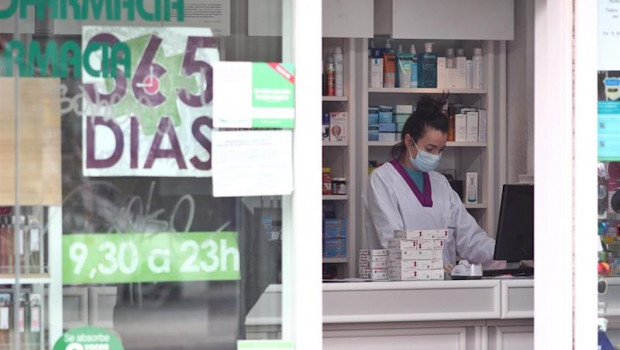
339, 186
330, 72
478, 69
427, 67
339, 71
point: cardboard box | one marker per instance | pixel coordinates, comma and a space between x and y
424, 244
401, 118
461, 72
373, 132
472, 126
374, 252
375, 72
438, 254
441, 72
460, 127
388, 136
385, 114
338, 126
438, 243
437, 264
334, 248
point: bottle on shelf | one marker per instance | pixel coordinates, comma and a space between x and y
330, 73
389, 66
451, 121
339, 71
327, 181
427, 67
34, 248
450, 58
414, 67
478, 69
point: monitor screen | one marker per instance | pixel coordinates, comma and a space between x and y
515, 226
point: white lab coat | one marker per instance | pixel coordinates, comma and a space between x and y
392, 205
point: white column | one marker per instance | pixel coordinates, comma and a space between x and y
302, 250
553, 160
586, 154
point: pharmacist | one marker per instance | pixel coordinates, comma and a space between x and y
406, 193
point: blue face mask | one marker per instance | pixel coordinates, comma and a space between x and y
425, 161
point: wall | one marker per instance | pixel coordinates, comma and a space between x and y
520, 94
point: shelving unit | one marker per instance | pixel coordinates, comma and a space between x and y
340, 157
459, 157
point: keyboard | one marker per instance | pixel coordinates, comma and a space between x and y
519, 271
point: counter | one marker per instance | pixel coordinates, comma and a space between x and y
463, 315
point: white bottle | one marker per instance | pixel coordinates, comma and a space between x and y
450, 59
478, 69
339, 65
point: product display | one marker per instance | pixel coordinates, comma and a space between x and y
29, 238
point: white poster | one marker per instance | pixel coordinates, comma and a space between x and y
147, 105
252, 163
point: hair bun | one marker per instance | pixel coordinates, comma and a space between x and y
429, 105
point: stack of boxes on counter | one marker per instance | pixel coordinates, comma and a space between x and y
412, 255
386, 122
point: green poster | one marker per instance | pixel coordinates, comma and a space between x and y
150, 257
254, 95
88, 338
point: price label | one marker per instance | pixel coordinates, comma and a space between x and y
145, 257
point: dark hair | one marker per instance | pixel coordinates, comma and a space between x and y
428, 114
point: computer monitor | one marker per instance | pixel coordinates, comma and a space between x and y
515, 227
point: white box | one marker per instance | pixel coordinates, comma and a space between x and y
414, 254
471, 187
375, 72
423, 275
424, 244
373, 264
414, 234
373, 258
472, 126
402, 264
438, 243
388, 136
401, 243
482, 125
437, 264
338, 126
461, 72
469, 80
373, 252
438, 254
379, 276
437, 274
403, 109
441, 72
441, 234
420, 264
460, 127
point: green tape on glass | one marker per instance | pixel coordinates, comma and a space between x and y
265, 344
146, 257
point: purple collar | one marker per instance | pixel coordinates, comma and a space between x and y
426, 198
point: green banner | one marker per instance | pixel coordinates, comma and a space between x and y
88, 338
148, 257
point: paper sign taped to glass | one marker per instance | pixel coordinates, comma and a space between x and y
147, 101
254, 95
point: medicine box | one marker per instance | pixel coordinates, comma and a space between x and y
399, 127
441, 72
373, 132
438, 243
482, 125
401, 243
437, 274
388, 136
334, 248
375, 71
385, 114
460, 127
403, 109
423, 275
401, 118
383, 252
472, 126
420, 264
334, 228
373, 264
338, 126
424, 244
438, 254
373, 258
436, 264
415, 254
387, 127
373, 118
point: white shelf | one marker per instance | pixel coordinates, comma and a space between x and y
335, 98
475, 205
25, 279
335, 260
448, 144
335, 143
335, 197
426, 91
